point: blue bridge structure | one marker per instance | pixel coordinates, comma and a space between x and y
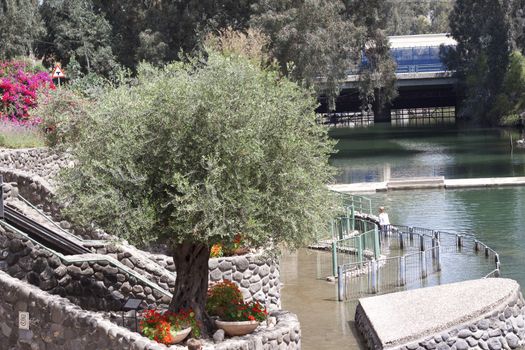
425, 86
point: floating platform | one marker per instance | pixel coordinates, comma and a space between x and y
427, 182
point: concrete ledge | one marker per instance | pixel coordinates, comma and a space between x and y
416, 182
447, 314
485, 182
421, 183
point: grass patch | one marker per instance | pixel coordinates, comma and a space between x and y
18, 136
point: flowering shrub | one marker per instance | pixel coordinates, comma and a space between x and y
216, 250
235, 247
63, 112
18, 91
220, 296
159, 326
226, 301
245, 312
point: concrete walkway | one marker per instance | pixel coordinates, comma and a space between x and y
404, 317
420, 183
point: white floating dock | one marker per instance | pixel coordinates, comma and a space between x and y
428, 182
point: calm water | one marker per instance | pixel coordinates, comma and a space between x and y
375, 153
496, 215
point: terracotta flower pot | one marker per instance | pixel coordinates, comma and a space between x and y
178, 336
236, 328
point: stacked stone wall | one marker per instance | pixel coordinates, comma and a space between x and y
91, 285
42, 162
258, 277
57, 324
503, 328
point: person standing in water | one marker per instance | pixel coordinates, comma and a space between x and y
384, 221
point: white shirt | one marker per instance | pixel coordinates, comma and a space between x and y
383, 219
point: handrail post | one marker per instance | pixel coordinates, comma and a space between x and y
401, 243
421, 243
433, 246
423, 264
374, 275
438, 255
334, 257
340, 286
2, 197
353, 217
411, 233
476, 245
402, 271
359, 249
377, 245
459, 241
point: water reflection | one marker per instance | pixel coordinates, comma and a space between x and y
381, 152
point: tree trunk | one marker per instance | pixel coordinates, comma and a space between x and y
191, 285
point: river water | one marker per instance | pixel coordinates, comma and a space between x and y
495, 215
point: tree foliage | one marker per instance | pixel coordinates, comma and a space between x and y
377, 76
74, 28
211, 150
483, 32
20, 26
510, 102
312, 40
418, 17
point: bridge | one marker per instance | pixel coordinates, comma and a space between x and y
426, 88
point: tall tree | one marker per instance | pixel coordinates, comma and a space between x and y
377, 71
482, 29
212, 150
20, 27
74, 28
418, 17
311, 40
159, 30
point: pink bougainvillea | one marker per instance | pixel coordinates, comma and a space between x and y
18, 92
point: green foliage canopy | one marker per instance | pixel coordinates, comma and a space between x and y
200, 152
20, 26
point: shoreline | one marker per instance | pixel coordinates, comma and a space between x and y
428, 183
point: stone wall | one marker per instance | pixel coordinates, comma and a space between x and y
38, 161
258, 277
91, 285
503, 327
56, 324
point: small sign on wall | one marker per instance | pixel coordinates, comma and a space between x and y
23, 320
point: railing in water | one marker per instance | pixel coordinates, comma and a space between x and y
420, 254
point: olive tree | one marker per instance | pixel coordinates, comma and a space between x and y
196, 153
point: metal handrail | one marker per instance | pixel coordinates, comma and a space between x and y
94, 258
402, 232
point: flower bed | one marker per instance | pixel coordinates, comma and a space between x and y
166, 327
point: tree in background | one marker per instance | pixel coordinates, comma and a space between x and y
74, 28
213, 150
483, 32
20, 26
418, 17
377, 75
510, 102
311, 40
160, 30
